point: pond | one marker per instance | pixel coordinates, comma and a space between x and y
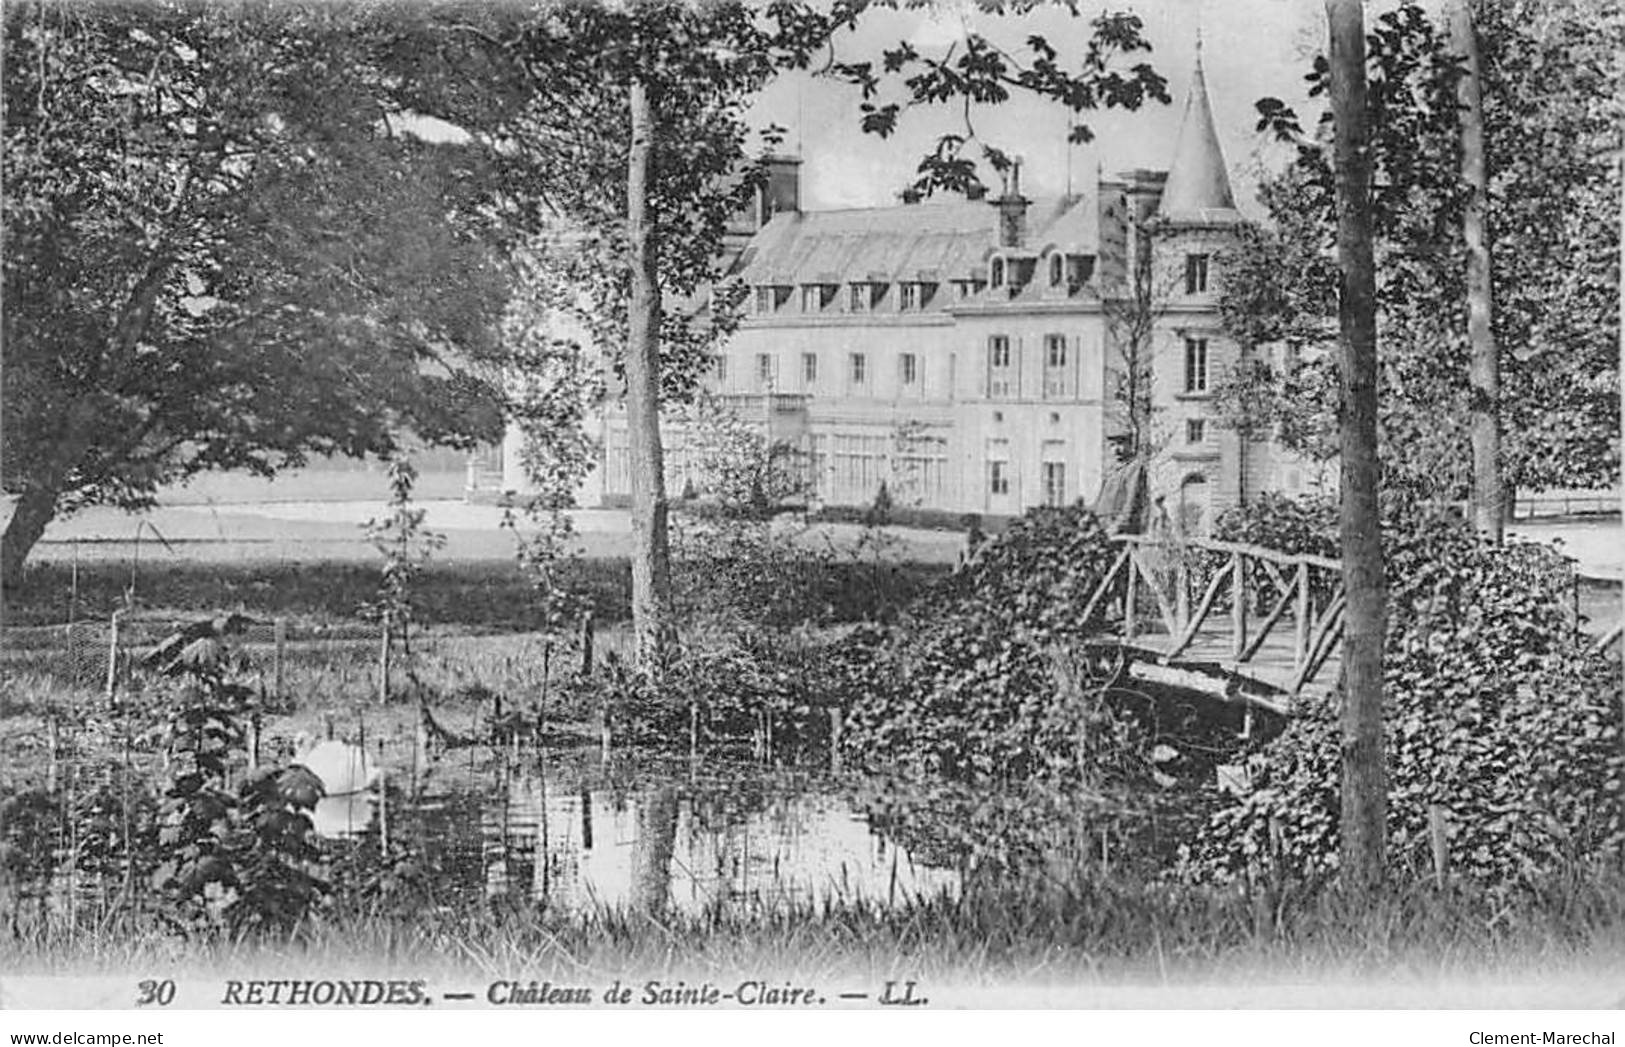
580, 833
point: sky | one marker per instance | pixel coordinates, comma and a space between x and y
1250, 48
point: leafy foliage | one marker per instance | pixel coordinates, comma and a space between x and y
222, 255
1553, 196
233, 862
1496, 711
406, 546
975, 681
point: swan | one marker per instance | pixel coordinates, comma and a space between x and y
343, 768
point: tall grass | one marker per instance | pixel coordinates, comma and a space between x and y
1090, 931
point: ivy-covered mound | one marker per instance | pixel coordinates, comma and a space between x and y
1497, 710
977, 680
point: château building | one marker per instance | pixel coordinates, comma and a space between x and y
974, 354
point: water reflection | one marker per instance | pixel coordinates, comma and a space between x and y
644, 834
344, 816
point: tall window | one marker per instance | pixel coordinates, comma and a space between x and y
857, 298
1055, 483
998, 467
998, 272
908, 368
1057, 375
1057, 269
908, 296
764, 370
809, 368
1196, 365
1196, 273
764, 299
719, 364
1195, 430
860, 369
1000, 375
998, 477
812, 298
860, 465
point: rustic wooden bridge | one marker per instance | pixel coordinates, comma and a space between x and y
1242, 623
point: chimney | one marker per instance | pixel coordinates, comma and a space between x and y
783, 190
1012, 209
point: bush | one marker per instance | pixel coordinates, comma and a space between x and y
979, 680
1495, 710
752, 681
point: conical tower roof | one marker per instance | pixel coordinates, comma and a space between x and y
1198, 187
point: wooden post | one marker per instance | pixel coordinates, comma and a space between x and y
541, 703
383, 801
1182, 592
420, 750
279, 630
1441, 844
1238, 605
383, 663
112, 658
835, 720
1128, 601
53, 745
1300, 638
586, 643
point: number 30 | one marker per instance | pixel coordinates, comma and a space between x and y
162, 993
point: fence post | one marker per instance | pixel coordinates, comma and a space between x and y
383, 664
280, 633
53, 742
112, 659
1300, 638
1441, 843
1128, 600
1182, 593
383, 801
1238, 604
586, 643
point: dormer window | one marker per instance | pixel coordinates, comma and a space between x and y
1082, 268
770, 297
1057, 270
915, 296
996, 273
815, 298
865, 296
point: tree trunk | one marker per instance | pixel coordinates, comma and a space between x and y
34, 511
651, 556
652, 851
1365, 801
1484, 371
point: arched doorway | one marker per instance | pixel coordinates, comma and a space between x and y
1195, 506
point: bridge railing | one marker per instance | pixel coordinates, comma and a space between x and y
1207, 594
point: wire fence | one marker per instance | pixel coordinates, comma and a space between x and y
288, 660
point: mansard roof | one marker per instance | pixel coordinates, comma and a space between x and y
933, 242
